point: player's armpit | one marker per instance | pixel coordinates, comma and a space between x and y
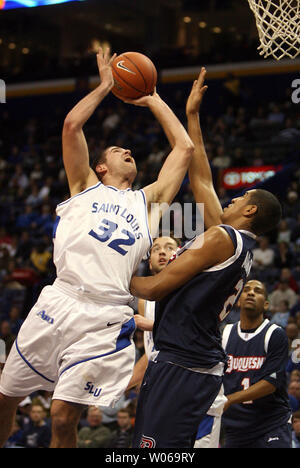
210, 249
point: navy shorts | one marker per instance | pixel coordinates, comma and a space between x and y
172, 402
280, 437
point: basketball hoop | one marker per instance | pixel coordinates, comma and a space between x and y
278, 26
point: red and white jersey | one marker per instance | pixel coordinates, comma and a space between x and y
100, 237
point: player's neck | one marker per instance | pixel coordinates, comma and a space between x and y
241, 225
250, 323
120, 184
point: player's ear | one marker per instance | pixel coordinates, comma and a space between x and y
101, 169
266, 306
250, 210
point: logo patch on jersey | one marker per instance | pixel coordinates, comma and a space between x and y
122, 67
45, 317
147, 442
110, 324
92, 389
244, 363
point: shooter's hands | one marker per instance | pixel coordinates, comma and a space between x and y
104, 61
145, 101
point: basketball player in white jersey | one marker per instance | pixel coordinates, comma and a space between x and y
77, 339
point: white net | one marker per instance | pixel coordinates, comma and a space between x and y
278, 25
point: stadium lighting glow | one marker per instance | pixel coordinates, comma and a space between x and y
10, 4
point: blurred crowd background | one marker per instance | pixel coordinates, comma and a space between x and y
246, 122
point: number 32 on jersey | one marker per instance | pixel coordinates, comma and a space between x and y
106, 230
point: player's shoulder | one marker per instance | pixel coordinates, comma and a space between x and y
276, 333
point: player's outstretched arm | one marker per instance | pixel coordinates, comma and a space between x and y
170, 178
75, 149
199, 170
210, 249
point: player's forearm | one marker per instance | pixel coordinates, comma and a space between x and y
254, 392
138, 372
199, 167
85, 108
174, 130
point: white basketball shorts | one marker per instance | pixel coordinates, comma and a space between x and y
81, 350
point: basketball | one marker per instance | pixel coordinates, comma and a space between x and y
134, 75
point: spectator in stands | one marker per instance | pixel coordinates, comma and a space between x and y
296, 429
221, 160
291, 207
282, 293
95, 435
43, 398
40, 258
33, 198
19, 178
6, 335
275, 114
295, 310
110, 415
26, 220
263, 256
15, 319
122, 437
281, 316
23, 411
24, 246
36, 434
284, 232
286, 275
283, 256
294, 391
293, 333
295, 375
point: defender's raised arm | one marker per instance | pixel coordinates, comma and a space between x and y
199, 170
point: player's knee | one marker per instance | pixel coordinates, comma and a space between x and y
64, 417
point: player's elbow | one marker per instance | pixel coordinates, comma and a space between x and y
71, 125
189, 149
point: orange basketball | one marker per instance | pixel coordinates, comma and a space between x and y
134, 76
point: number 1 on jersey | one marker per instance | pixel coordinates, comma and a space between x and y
246, 384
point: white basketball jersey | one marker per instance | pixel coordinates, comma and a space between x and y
149, 313
101, 236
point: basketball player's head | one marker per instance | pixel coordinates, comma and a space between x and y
117, 163
257, 210
162, 250
253, 300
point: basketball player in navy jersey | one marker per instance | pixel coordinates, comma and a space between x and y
257, 413
77, 339
195, 292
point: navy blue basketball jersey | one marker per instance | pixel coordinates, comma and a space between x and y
255, 355
186, 327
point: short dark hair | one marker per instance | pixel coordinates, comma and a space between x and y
98, 159
268, 213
